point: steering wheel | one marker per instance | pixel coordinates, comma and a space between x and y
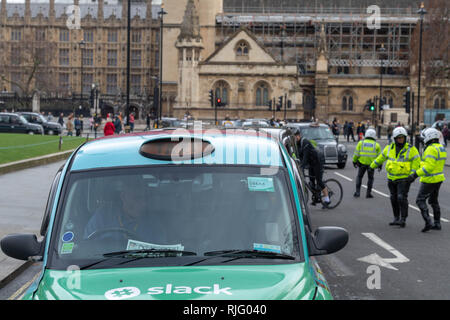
100, 232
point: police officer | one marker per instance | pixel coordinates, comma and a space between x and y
366, 151
402, 161
431, 176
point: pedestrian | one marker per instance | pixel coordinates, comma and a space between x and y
109, 128
445, 133
147, 121
117, 125
70, 125
49, 116
131, 122
402, 161
335, 129
91, 123
431, 176
350, 131
345, 129
359, 131
97, 123
390, 128
366, 151
61, 120
77, 124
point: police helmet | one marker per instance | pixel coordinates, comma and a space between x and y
370, 133
400, 131
430, 134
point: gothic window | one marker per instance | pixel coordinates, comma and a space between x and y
439, 102
347, 102
222, 91
242, 49
262, 94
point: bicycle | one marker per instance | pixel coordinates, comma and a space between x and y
334, 187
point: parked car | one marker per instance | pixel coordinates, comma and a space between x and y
322, 137
15, 123
51, 128
175, 217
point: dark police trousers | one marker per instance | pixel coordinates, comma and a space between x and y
399, 198
361, 171
429, 191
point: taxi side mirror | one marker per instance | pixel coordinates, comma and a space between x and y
327, 240
21, 246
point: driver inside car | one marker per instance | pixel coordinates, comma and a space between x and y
129, 218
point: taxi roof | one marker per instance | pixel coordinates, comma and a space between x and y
231, 147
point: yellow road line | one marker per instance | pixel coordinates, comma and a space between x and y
24, 287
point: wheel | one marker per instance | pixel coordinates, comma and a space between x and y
341, 165
30, 133
335, 192
50, 132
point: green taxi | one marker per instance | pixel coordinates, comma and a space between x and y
178, 214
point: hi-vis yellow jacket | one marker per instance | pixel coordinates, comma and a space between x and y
401, 166
366, 151
432, 166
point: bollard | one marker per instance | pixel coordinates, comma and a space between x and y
60, 143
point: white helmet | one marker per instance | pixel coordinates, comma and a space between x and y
400, 131
430, 134
370, 133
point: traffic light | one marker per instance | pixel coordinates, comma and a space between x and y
407, 101
280, 103
211, 97
269, 104
289, 104
371, 106
219, 102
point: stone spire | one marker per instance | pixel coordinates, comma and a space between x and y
190, 27
27, 12
100, 11
125, 11
3, 14
51, 11
322, 40
148, 13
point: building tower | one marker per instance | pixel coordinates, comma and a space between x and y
189, 44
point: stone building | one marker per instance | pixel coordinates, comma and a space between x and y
41, 48
325, 57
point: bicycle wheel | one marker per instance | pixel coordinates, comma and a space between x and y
335, 192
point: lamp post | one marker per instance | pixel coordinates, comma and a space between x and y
422, 12
382, 51
128, 65
81, 45
161, 14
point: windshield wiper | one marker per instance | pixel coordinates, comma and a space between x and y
137, 254
240, 254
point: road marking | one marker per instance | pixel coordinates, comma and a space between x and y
24, 287
375, 259
387, 196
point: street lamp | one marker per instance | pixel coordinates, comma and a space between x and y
128, 64
81, 45
382, 51
422, 12
161, 14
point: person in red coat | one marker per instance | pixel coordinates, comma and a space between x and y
109, 128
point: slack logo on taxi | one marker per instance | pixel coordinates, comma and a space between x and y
170, 289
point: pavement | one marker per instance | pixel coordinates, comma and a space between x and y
24, 196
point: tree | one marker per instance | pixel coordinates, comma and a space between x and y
435, 42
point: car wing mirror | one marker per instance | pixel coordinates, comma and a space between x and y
327, 240
22, 246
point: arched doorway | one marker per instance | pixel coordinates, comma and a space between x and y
106, 109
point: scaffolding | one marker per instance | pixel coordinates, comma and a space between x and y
293, 38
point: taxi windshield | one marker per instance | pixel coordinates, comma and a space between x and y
317, 133
174, 211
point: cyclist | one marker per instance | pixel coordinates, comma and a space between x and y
311, 159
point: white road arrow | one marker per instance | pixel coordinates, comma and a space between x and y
382, 262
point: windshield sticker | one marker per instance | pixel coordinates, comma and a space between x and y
266, 247
67, 248
122, 293
139, 245
260, 184
68, 236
